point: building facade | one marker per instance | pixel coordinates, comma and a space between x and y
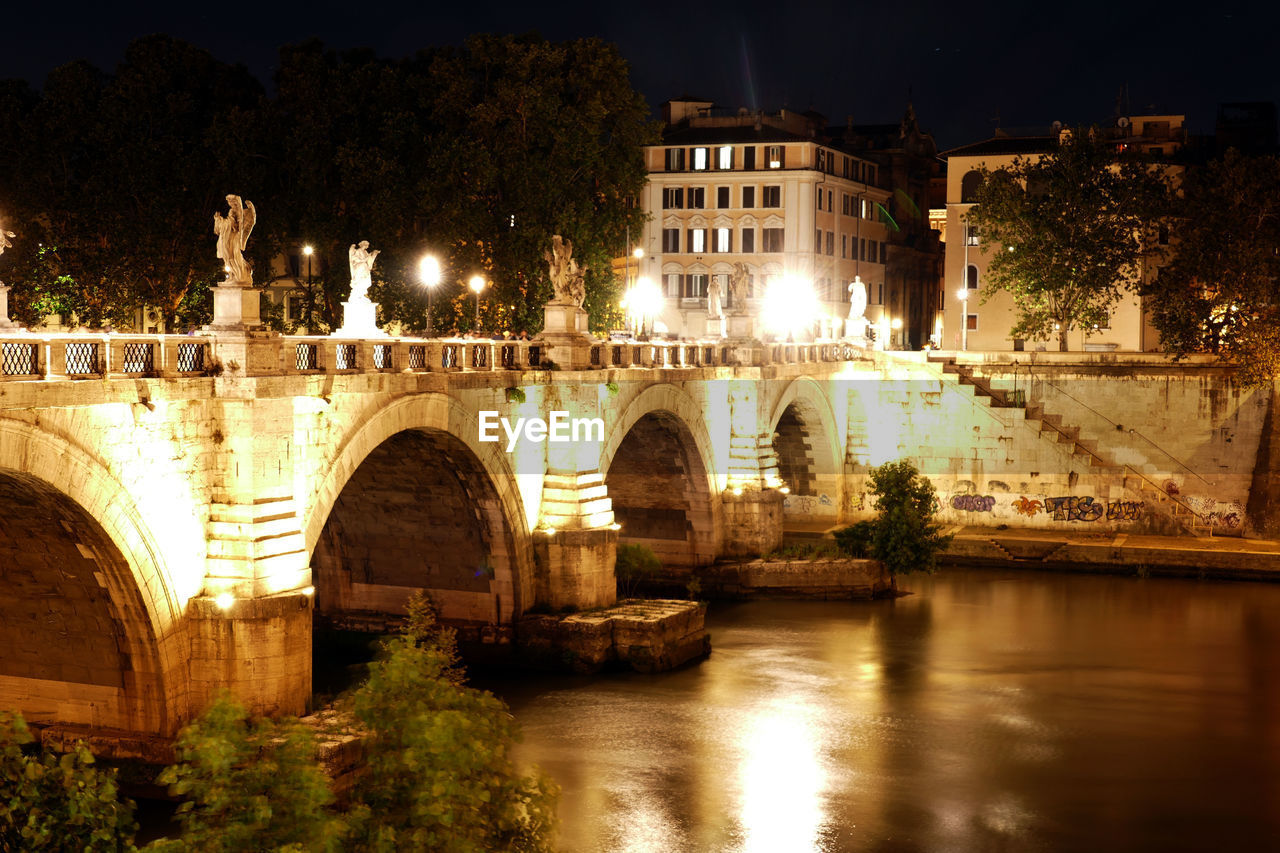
977, 318
774, 192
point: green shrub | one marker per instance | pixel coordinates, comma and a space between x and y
855, 541
636, 563
904, 535
54, 802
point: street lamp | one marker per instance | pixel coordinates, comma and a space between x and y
644, 304
307, 251
429, 274
477, 285
963, 295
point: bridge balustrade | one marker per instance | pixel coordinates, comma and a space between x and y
78, 356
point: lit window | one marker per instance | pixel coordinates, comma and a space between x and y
971, 235
697, 240
673, 284
697, 286
701, 159
724, 157
724, 240
773, 156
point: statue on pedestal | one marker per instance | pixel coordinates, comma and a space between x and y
233, 237
567, 279
361, 260
714, 309
856, 325
739, 280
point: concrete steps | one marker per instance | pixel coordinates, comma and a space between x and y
1088, 451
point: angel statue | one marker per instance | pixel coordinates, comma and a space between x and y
4, 240
233, 236
738, 281
566, 277
361, 268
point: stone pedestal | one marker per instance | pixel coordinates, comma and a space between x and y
715, 327
855, 331
236, 308
258, 648
742, 326
752, 522
564, 334
576, 568
246, 353
6, 325
359, 320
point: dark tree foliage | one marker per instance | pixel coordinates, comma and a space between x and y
111, 181
477, 154
1068, 231
57, 803
1221, 291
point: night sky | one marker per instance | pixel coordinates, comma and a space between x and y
966, 65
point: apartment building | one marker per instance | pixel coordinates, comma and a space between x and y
981, 320
775, 192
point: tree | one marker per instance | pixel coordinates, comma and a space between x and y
904, 535
1068, 231
113, 181
1221, 291
475, 154
441, 775
249, 784
636, 564
57, 802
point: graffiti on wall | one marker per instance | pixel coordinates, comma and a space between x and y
806, 504
973, 503
1080, 508
1228, 515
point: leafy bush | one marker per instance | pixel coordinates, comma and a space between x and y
636, 563
904, 536
57, 802
249, 784
856, 541
439, 756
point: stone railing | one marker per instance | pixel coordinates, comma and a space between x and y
87, 356
84, 356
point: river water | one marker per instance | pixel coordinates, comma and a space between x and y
987, 711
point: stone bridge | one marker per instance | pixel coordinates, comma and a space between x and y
177, 511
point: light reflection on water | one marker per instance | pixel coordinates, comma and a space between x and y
989, 711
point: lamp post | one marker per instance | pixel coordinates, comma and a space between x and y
429, 274
477, 285
963, 295
307, 252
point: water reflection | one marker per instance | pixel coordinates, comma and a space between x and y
990, 711
783, 783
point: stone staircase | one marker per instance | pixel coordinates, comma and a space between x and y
1177, 516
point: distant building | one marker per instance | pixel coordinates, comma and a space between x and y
989, 315
778, 193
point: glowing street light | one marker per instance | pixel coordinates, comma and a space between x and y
790, 305
963, 295
643, 303
477, 285
429, 275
